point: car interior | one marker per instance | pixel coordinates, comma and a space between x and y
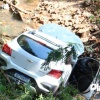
83, 73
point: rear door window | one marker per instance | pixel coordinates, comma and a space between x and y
33, 47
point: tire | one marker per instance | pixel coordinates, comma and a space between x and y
2, 62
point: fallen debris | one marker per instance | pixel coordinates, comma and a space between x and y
5, 6
17, 8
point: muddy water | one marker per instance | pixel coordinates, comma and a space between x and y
10, 24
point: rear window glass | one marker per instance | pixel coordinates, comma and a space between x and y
35, 48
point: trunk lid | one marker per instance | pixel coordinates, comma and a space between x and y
29, 54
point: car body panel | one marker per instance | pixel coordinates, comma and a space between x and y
26, 60
84, 74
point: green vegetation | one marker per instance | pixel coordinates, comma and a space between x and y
68, 93
11, 91
24, 92
61, 53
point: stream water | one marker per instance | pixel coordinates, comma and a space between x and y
10, 24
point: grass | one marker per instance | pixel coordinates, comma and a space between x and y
24, 92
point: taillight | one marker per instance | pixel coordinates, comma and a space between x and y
55, 73
7, 49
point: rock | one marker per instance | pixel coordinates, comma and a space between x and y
69, 28
93, 38
74, 31
85, 39
70, 23
51, 11
84, 30
5, 6
51, 19
68, 17
1, 23
1, 41
76, 26
87, 3
87, 14
80, 97
76, 19
80, 26
96, 27
27, 28
15, 2
59, 18
56, 22
43, 20
78, 12
65, 23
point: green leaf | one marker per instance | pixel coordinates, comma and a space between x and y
2, 88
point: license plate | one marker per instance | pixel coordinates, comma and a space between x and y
22, 77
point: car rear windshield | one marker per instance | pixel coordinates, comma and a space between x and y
33, 47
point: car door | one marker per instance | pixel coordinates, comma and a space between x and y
84, 75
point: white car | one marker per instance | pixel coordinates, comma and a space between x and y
24, 56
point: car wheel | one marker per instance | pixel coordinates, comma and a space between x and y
34, 86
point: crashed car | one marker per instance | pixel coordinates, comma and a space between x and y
22, 58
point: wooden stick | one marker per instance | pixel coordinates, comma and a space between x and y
24, 11
5, 76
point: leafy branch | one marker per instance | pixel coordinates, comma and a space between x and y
61, 53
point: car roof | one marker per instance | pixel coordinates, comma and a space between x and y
64, 35
58, 32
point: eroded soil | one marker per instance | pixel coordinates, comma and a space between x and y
72, 15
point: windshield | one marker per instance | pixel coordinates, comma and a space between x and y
35, 48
